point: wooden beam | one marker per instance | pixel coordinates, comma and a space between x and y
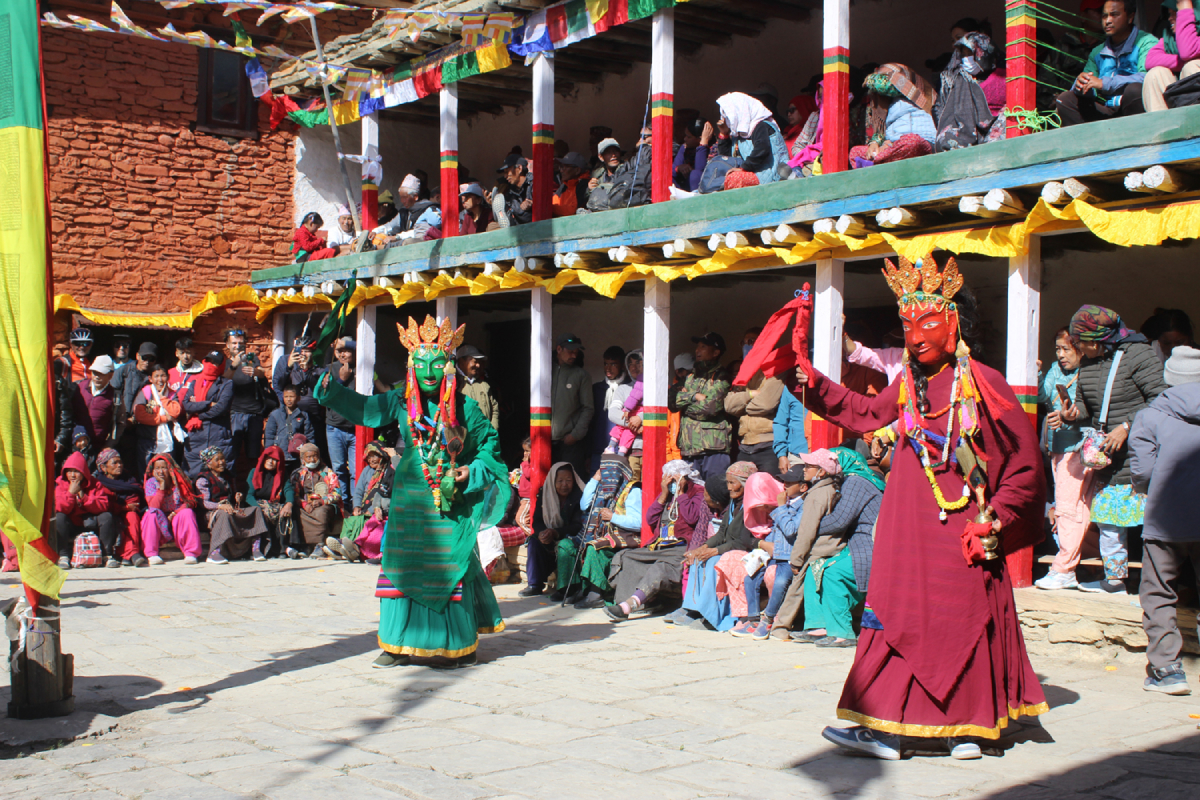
1089, 191
824, 225
973, 205
897, 218
1134, 182
1055, 193
1003, 201
686, 247
849, 225
789, 234
1166, 179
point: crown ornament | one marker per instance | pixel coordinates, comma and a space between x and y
922, 281
430, 336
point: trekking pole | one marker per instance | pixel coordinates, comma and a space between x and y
574, 569
637, 162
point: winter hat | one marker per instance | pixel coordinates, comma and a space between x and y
410, 184
822, 459
1183, 366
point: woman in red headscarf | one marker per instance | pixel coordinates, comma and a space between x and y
267, 489
941, 653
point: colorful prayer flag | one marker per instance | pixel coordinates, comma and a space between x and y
358, 81
85, 24
25, 418
472, 29
499, 26
324, 73
493, 57
49, 18
596, 9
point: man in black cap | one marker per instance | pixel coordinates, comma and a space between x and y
705, 432
122, 344
251, 390
127, 381
571, 406
474, 385
512, 200
297, 369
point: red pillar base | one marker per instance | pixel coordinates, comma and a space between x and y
449, 193
543, 171
655, 424
362, 436
539, 438
836, 110
662, 141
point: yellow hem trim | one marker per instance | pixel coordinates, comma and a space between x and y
498, 629
421, 653
936, 731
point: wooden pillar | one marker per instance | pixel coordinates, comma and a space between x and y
449, 153
364, 375
543, 136
279, 345
447, 308
1020, 30
43, 681
541, 362
656, 381
662, 105
372, 171
835, 106
1024, 317
827, 339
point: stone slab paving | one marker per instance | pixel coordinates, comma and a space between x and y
254, 680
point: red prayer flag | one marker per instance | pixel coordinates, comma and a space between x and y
556, 23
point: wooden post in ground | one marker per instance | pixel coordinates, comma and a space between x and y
42, 677
1024, 317
835, 104
449, 158
827, 338
656, 380
543, 136
541, 361
1020, 28
364, 374
662, 104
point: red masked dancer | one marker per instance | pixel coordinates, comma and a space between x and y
941, 655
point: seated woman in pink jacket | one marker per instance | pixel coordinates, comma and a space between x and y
1175, 57
170, 499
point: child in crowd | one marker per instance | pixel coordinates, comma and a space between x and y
777, 546
307, 243
82, 443
522, 478
826, 622
372, 499
621, 438
286, 422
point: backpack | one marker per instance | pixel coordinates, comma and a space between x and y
87, 552
1185, 92
713, 179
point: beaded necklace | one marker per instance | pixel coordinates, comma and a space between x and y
435, 442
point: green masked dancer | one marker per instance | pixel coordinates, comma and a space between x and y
451, 482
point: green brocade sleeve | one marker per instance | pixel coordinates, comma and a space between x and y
371, 412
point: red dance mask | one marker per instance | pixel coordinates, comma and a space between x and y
930, 331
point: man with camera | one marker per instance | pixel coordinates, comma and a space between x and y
251, 394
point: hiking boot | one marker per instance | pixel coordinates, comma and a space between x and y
865, 740
1166, 680
1057, 580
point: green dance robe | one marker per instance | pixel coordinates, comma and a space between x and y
434, 597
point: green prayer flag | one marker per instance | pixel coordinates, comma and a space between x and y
309, 119
640, 9
459, 67
577, 16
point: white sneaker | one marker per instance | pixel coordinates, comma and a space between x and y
865, 740
1057, 580
156, 561
499, 207
216, 558
963, 749
190, 561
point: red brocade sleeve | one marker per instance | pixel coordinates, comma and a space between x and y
849, 409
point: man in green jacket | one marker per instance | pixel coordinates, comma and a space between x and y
571, 405
705, 432
1111, 82
470, 367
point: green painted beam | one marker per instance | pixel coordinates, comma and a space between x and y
1026, 160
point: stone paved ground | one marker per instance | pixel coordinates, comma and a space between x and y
254, 681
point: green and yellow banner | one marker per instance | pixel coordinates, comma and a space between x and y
24, 300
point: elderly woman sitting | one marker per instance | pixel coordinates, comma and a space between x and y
643, 575
558, 516
268, 489
613, 502
170, 499
318, 496
900, 123
749, 132
233, 530
362, 531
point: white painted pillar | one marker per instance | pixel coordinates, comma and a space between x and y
656, 378
827, 318
541, 363
449, 159
662, 102
278, 344
447, 308
1024, 318
364, 364
542, 153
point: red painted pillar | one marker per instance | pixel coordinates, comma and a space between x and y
662, 104
1020, 27
449, 158
541, 357
543, 136
656, 381
835, 105
370, 169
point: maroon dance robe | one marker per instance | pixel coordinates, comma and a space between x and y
950, 659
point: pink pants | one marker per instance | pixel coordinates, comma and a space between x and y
731, 581
371, 539
183, 528
1072, 501
10, 555
625, 437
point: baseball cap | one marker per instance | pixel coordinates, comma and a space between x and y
685, 361
793, 475
512, 160
574, 160
607, 143
470, 188
102, 364
216, 358
712, 339
570, 341
823, 459
469, 351
148, 349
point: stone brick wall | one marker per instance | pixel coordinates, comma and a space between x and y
146, 214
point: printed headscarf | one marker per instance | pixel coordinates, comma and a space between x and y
1099, 324
179, 480
742, 113
897, 80
854, 464
680, 469
209, 453
741, 471
106, 455
615, 474
377, 449
551, 504
981, 47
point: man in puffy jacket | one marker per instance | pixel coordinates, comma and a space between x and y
207, 402
1111, 82
1163, 445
